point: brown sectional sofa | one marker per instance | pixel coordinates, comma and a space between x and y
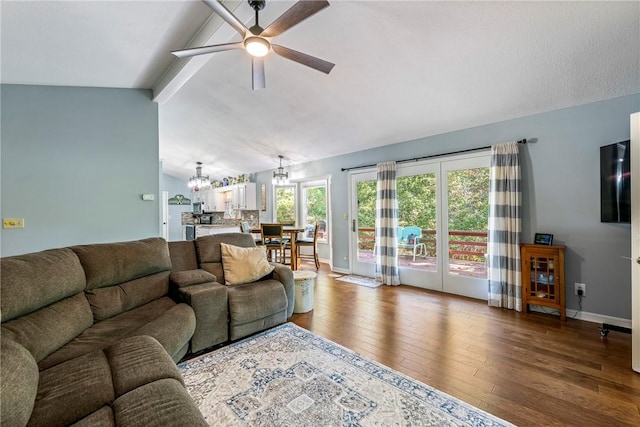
90, 334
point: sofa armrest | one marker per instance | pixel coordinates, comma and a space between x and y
191, 277
210, 303
284, 274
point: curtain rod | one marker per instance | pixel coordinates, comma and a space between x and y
415, 159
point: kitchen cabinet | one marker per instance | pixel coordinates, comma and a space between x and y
543, 276
239, 196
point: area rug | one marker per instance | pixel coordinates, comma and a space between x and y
287, 376
360, 280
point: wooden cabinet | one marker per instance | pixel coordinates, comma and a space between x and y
543, 277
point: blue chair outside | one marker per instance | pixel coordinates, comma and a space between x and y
411, 239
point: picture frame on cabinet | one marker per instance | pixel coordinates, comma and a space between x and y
543, 239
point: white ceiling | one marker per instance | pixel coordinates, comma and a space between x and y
404, 70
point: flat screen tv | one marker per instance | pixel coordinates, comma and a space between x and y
615, 182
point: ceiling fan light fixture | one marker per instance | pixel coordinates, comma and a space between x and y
257, 46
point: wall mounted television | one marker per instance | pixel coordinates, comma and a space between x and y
615, 182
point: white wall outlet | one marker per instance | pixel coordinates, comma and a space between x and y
13, 223
148, 197
580, 287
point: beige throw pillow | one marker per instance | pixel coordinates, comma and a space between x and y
244, 265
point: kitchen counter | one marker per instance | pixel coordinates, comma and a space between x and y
206, 229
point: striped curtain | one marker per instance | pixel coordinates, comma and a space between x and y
505, 287
387, 225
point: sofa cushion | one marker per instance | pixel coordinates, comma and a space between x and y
137, 361
44, 331
106, 333
253, 301
158, 404
173, 329
112, 300
72, 390
18, 383
36, 280
107, 264
103, 417
244, 265
191, 277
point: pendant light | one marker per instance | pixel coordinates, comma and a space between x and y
280, 177
199, 181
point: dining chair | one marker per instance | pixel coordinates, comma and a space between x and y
274, 241
246, 229
305, 241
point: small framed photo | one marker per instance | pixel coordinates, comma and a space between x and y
543, 239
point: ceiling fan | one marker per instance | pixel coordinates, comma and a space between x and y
257, 40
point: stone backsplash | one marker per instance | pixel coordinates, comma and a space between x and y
250, 216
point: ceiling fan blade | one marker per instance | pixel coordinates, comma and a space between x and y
194, 51
303, 58
224, 13
294, 15
257, 73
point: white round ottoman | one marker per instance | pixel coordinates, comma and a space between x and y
303, 281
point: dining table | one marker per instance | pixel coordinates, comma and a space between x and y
292, 231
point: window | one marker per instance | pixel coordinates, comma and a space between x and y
285, 204
314, 206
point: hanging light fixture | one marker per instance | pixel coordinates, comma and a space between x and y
280, 177
199, 180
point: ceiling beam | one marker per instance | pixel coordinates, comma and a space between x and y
214, 31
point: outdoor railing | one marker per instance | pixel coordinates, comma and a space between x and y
463, 245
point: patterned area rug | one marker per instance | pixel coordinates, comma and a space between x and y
287, 376
360, 280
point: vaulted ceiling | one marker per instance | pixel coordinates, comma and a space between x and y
404, 70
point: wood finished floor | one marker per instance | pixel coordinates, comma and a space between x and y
528, 368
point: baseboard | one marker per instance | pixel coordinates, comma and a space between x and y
340, 270
586, 316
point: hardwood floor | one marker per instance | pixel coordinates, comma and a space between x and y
528, 368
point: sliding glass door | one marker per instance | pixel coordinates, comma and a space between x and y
442, 224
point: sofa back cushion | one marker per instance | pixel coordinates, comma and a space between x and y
43, 306
18, 383
46, 330
210, 255
122, 276
183, 255
32, 281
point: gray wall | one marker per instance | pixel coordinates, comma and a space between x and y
75, 162
561, 192
176, 186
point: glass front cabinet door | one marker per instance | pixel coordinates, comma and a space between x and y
543, 277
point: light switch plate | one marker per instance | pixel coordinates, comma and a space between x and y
13, 223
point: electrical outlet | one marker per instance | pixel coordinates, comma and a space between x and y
580, 287
13, 223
